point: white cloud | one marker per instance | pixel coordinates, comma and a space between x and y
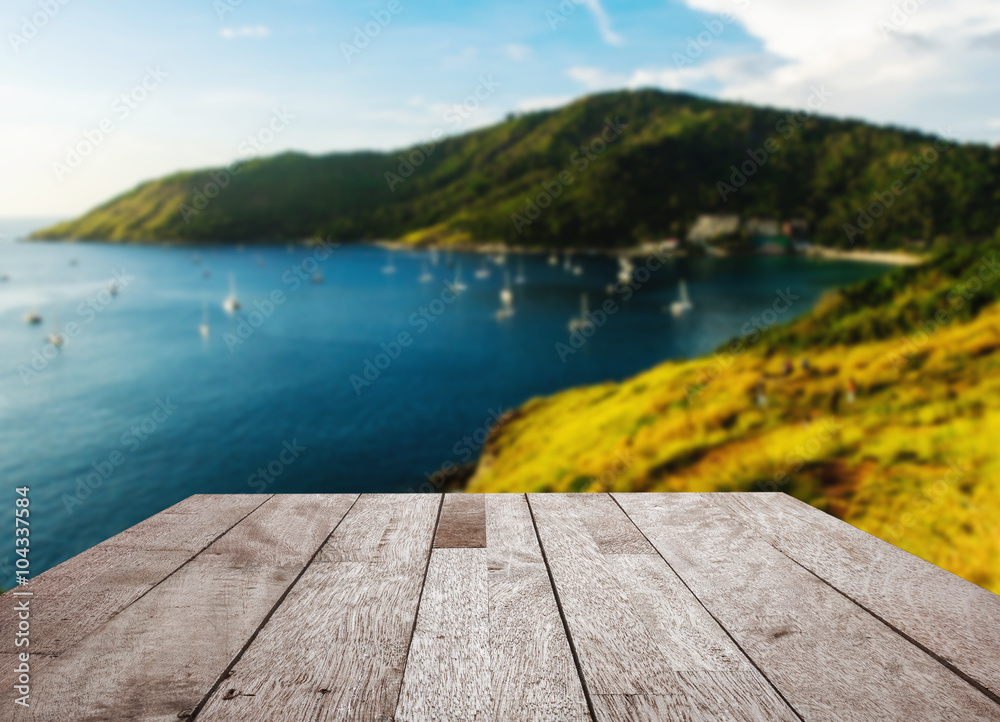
931, 68
247, 31
518, 53
542, 102
603, 22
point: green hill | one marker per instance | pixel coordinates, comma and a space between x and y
653, 180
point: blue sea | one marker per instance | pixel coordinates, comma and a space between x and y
276, 398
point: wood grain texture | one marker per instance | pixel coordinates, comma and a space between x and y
108, 577
462, 523
159, 657
336, 647
829, 658
949, 616
489, 643
636, 627
189, 525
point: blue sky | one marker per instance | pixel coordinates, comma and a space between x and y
221, 69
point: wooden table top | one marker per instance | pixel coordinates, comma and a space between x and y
459, 607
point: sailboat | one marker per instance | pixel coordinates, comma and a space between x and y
625, 269
434, 257
521, 279
231, 304
482, 272
56, 338
506, 299
568, 262
457, 284
581, 321
500, 259
683, 304
390, 267
204, 329
553, 259
425, 275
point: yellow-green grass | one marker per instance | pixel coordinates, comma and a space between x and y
913, 460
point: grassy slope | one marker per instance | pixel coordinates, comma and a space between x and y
885, 463
674, 151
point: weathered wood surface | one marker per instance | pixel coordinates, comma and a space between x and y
955, 620
489, 643
159, 657
823, 652
337, 646
502, 607
636, 628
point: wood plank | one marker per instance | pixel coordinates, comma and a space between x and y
336, 647
158, 658
489, 643
636, 628
952, 618
189, 525
108, 577
462, 523
828, 657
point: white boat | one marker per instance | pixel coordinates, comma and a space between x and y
457, 284
32, 318
390, 267
232, 304
500, 259
56, 339
203, 328
425, 275
581, 321
506, 299
482, 272
577, 269
434, 257
521, 279
625, 269
568, 262
553, 260
683, 304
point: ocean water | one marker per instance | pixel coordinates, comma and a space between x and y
137, 400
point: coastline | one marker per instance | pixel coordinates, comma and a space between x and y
889, 258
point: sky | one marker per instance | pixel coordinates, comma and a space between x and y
99, 95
